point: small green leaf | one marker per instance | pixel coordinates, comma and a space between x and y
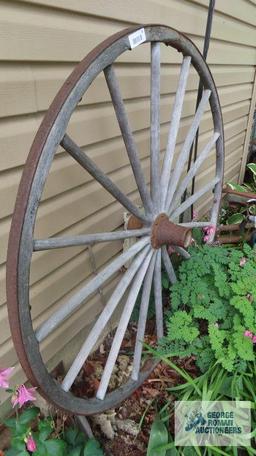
236, 187
45, 428
158, 437
10, 423
235, 219
92, 448
252, 168
74, 437
77, 451
28, 415
56, 447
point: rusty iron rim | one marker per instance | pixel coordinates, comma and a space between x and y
23, 337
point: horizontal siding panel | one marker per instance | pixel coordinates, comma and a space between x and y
96, 124
26, 89
37, 29
171, 12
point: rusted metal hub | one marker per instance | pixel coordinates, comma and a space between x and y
165, 232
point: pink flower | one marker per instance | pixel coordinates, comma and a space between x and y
242, 261
209, 231
248, 334
4, 377
195, 215
254, 339
23, 395
31, 444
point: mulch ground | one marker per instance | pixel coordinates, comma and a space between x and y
125, 430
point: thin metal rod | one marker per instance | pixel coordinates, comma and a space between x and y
155, 125
122, 326
74, 150
199, 95
192, 172
157, 280
102, 320
87, 239
70, 306
186, 148
193, 198
128, 138
200, 88
174, 127
182, 252
168, 265
143, 318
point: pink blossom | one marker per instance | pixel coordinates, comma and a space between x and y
248, 334
4, 377
31, 444
23, 395
209, 231
242, 261
254, 339
195, 215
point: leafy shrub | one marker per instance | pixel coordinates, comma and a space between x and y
213, 308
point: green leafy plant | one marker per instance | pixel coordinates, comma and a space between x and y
71, 442
217, 384
246, 187
32, 434
213, 308
158, 437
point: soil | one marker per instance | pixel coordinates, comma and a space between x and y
125, 430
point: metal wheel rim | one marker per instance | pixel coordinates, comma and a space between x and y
20, 248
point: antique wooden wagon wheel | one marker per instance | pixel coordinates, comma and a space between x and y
157, 222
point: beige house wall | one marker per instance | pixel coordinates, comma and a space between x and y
40, 42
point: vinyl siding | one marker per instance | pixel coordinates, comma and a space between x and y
40, 42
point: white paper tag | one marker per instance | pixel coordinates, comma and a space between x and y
137, 38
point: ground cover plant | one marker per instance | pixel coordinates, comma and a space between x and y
212, 318
213, 308
31, 433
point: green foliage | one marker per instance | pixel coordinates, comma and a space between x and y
213, 303
158, 437
71, 442
246, 187
215, 384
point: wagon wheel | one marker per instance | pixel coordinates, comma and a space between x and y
157, 222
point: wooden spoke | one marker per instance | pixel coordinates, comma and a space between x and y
87, 239
195, 224
157, 280
74, 150
168, 265
69, 307
122, 326
186, 148
102, 320
192, 172
182, 252
174, 127
143, 318
128, 138
192, 199
155, 125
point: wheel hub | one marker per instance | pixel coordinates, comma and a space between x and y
164, 232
